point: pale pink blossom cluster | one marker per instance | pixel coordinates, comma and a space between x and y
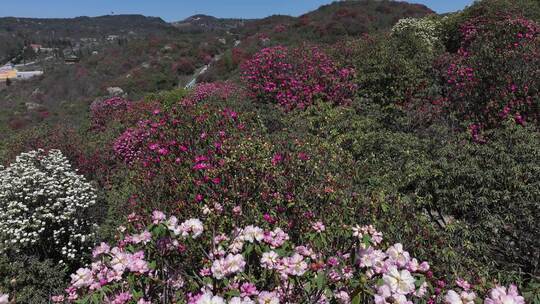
264, 297
114, 263
191, 227
464, 297
318, 227
497, 295
502, 295
111, 268
295, 265
275, 238
395, 266
231, 264
252, 234
368, 231
254, 265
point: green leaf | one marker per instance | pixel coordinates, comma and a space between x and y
320, 280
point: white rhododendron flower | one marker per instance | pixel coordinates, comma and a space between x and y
401, 282
208, 298
4, 298
428, 30
44, 203
453, 297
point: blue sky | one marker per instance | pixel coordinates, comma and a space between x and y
173, 10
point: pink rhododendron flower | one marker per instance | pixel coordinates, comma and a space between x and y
248, 289
266, 297
122, 298
143, 237
501, 295
295, 78
453, 297
318, 227
295, 265
238, 300
209, 298
275, 238
251, 234
227, 266
398, 255
83, 277
158, 217
463, 284
269, 260
101, 249
4, 298
192, 226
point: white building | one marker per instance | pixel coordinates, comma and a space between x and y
28, 75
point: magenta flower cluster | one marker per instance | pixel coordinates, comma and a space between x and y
146, 142
491, 77
103, 111
129, 145
297, 77
204, 91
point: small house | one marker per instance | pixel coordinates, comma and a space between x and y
71, 59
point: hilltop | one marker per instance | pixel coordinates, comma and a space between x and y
16, 32
202, 22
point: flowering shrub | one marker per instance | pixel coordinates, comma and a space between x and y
128, 145
171, 262
427, 29
497, 295
95, 163
219, 90
195, 155
43, 205
493, 74
184, 66
296, 77
185, 129
104, 110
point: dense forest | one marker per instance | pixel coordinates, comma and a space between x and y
366, 152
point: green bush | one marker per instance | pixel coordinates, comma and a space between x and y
489, 195
29, 280
388, 156
166, 98
395, 69
462, 204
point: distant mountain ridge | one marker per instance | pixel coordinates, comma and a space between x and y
339, 19
201, 22
83, 26
328, 23
16, 32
